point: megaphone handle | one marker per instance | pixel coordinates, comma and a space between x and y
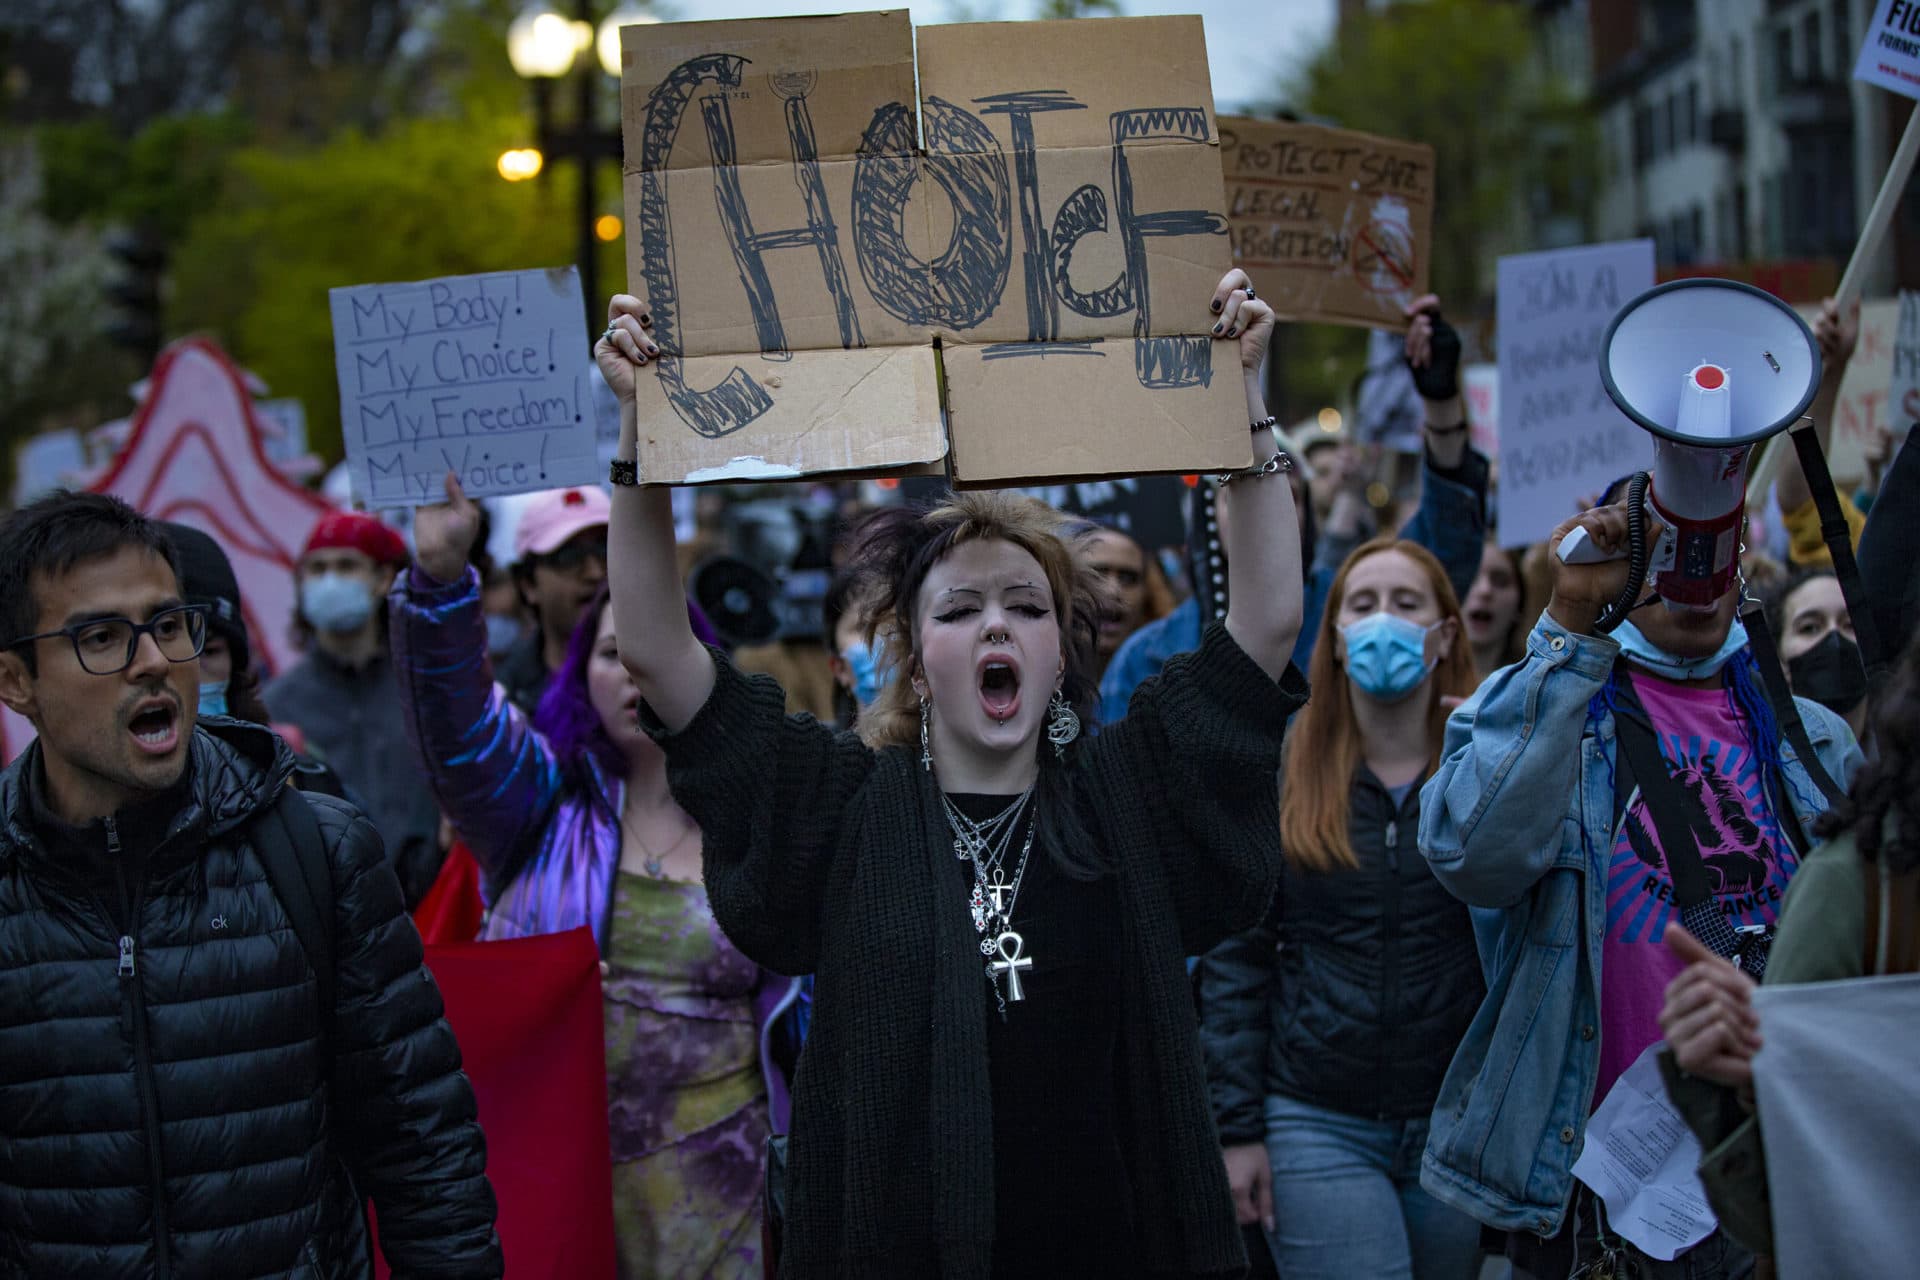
1578, 548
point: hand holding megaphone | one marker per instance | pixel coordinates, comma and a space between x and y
1583, 589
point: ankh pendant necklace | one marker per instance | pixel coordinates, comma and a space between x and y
997, 936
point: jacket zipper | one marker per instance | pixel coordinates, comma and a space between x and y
1390, 941
134, 992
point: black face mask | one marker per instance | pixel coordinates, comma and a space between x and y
1831, 673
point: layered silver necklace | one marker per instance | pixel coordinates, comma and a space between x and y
986, 844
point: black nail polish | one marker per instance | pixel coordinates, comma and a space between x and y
1234, 332
1216, 305
1216, 328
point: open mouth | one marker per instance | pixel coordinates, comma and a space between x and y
156, 728
999, 687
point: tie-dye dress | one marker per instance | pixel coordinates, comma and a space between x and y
686, 1101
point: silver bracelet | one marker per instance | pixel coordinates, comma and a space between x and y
1280, 461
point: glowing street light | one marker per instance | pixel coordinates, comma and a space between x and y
542, 44
607, 227
608, 44
521, 163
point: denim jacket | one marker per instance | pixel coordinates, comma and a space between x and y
1507, 824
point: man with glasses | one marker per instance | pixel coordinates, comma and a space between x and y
560, 560
185, 1089
342, 697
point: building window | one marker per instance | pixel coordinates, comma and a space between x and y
1782, 59
1843, 50
1697, 233
1814, 49
1642, 137
1692, 127
1737, 74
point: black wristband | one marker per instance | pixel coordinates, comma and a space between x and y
624, 472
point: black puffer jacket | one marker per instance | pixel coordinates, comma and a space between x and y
1356, 990
177, 1120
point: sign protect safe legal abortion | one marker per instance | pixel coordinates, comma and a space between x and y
486, 376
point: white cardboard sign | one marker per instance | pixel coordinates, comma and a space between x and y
1890, 55
487, 376
1561, 437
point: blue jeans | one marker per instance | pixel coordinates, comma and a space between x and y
1347, 1200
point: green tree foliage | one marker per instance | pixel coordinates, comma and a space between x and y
1460, 76
422, 199
1509, 144
50, 350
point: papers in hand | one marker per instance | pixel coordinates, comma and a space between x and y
1640, 1159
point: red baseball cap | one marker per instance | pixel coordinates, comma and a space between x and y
356, 532
552, 517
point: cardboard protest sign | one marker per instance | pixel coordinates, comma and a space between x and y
1890, 55
1094, 358
1869, 399
1903, 391
486, 376
1561, 437
801, 254
1332, 225
1387, 408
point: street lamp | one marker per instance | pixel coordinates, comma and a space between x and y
545, 46
607, 45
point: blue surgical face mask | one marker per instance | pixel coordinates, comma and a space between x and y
336, 603
1635, 645
213, 697
1386, 655
864, 664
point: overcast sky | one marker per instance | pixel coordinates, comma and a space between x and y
1250, 43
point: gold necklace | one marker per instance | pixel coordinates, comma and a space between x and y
655, 864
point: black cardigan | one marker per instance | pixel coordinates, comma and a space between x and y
826, 857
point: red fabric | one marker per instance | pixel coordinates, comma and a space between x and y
451, 910
357, 532
527, 1013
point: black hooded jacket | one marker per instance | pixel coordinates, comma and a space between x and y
166, 1107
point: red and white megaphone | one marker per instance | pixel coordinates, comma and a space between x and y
1710, 367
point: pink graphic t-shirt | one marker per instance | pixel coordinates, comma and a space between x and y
1747, 856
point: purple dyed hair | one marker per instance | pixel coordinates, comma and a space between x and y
566, 718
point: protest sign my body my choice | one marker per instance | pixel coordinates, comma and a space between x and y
1059, 235
485, 376
1331, 224
1561, 437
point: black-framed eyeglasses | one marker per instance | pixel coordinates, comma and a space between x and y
572, 557
105, 646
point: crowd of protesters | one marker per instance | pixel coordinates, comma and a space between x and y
1077, 939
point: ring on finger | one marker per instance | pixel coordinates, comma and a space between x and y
607, 337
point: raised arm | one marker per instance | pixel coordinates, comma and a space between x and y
1837, 335
1493, 816
1265, 583
490, 772
672, 668
1451, 520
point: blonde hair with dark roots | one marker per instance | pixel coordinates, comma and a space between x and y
899, 547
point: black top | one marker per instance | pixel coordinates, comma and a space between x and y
828, 857
1061, 1196
1356, 990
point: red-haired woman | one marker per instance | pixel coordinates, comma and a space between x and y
1328, 1028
